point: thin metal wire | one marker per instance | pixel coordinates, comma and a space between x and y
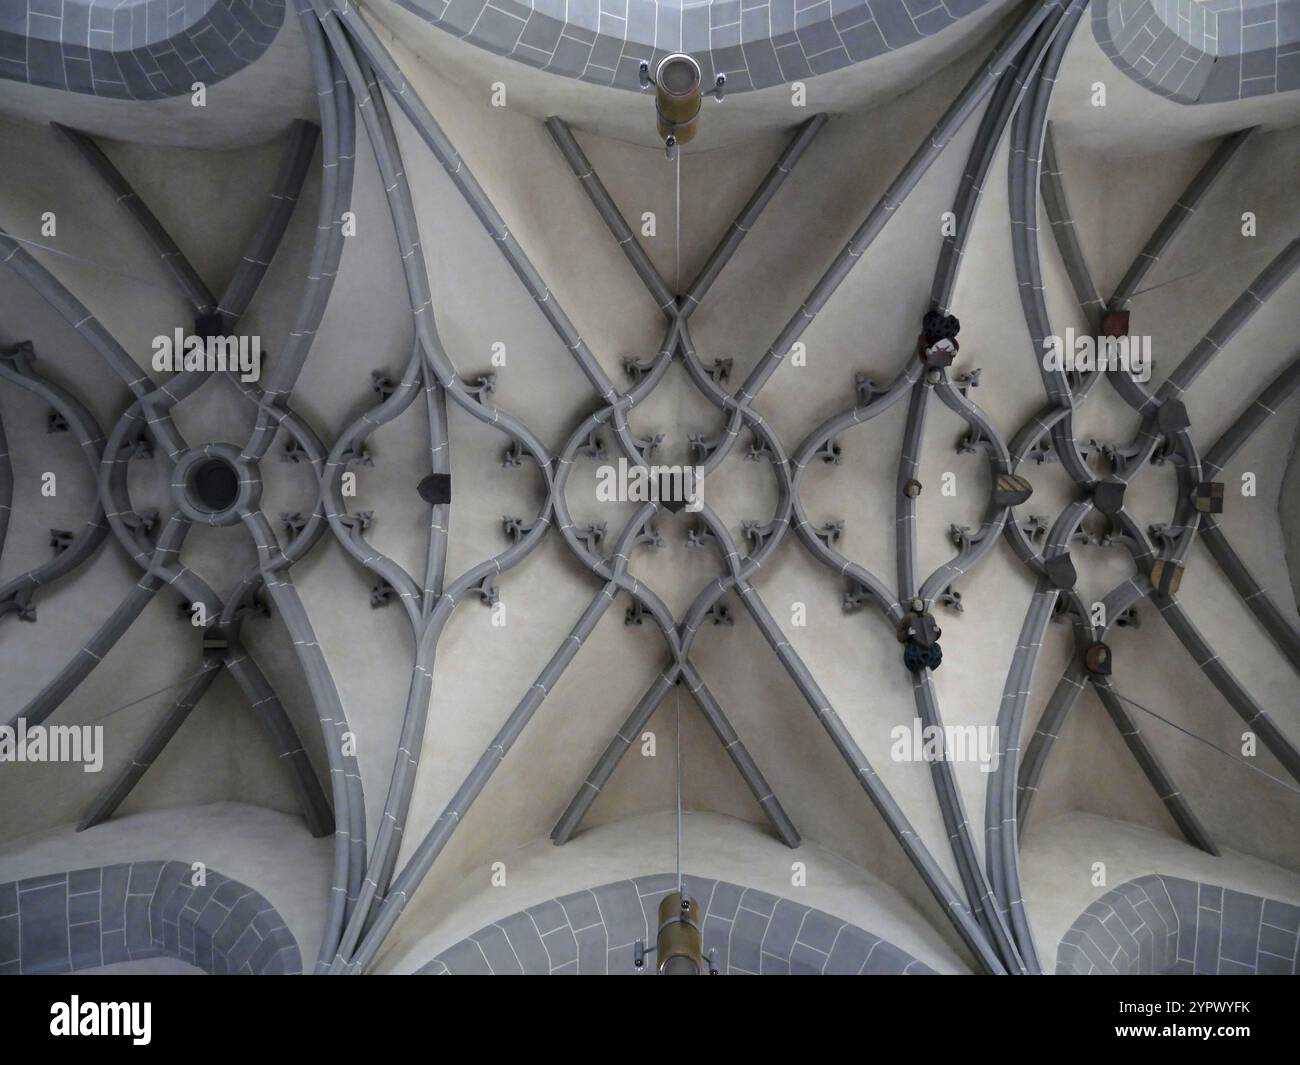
1202, 269
170, 289
1199, 739
159, 691
677, 701
677, 263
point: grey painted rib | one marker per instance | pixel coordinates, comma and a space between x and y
1066, 233
1170, 794
677, 339
609, 212
74, 312
1231, 321
608, 761
287, 187
377, 56
1279, 627
338, 154
948, 795
6, 487
379, 130
110, 798
248, 275
750, 213
1005, 99
1175, 221
87, 657
1228, 685
16, 593
974, 92
186, 277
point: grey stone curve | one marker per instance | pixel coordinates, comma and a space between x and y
427, 851
1167, 925
1203, 51
593, 932
117, 913
136, 50
756, 43
355, 75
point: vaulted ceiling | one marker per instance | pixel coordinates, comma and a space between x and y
470, 258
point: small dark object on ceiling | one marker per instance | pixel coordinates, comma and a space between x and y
436, 488
1108, 496
1096, 659
1172, 417
1060, 571
1114, 324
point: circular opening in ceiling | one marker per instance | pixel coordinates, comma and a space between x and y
679, 75
213, 485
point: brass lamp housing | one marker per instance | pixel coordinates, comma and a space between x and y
678, 81
680, 943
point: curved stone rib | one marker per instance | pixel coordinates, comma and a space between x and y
1279, 627
345, 774
1230, 322
1066, 234
338, 154
1170, 794
74, 312
739, 755
980, 85
16, 593
611, 756
995, 517
111, 797
1006, 98
427, 629
294, 165
1241, 701
1177, 217
886, 806
610, 214
6, 487
909, 462
947, 794
186, 277
435, 563
1028, 129
158, 571
1229, 687
431, 845
333, 17
750, 213
1062, 702
288, 744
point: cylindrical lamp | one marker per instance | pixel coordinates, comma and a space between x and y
680, 943
677, 96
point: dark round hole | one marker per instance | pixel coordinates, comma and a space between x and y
679, 76
214, 485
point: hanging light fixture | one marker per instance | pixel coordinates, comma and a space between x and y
679, 941
678, 85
